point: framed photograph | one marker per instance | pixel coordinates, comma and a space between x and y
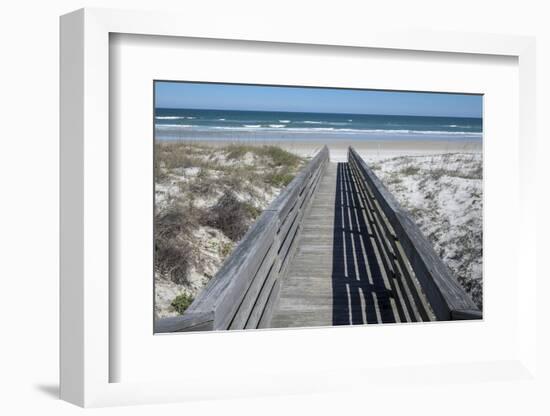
282, 207
237, 211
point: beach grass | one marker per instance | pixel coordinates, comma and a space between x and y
444, 195
206, 198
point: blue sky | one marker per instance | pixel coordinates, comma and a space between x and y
322, 100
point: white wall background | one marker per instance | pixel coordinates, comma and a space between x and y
29, 209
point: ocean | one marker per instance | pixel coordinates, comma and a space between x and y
186, 124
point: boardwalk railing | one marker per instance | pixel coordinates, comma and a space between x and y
447, 298
243, 292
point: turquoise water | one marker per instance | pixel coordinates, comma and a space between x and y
243, 125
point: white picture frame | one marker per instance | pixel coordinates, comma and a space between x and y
86, 355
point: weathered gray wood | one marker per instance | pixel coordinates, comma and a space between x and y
458, 315
240, 294
309, 273
251, 296
293, 226
263, 298
290, 220
201, 321
312, 187
383, 256
265, 320
288, 251
345, 269
443, 291
413, 303
225, 291
285, 201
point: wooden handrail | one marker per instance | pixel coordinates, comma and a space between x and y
448, 299
242, 294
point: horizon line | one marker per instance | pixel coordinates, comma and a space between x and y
315, 112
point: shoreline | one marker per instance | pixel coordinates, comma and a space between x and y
372, 149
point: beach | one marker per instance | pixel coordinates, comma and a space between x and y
206, 198
433, 166
372, 135
371, 149
438, 182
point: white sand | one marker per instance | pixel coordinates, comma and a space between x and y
447, 221
448, 209
370, 149
444, 195
210, 245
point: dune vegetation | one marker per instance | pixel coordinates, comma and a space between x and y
206, 198
444, 195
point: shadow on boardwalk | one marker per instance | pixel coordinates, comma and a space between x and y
346, 271
365, 287
360, 294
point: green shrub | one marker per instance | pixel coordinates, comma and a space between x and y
277, 155
182, 302
174, 253
225, 249
409, 170
279, 179
253, 211
237, 151
280, 157
230, 215
438, 173
241, 186
394, 179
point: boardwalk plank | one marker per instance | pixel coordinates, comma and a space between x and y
343, 271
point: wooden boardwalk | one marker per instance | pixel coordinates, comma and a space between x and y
334, 248
346, 270
306, 294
